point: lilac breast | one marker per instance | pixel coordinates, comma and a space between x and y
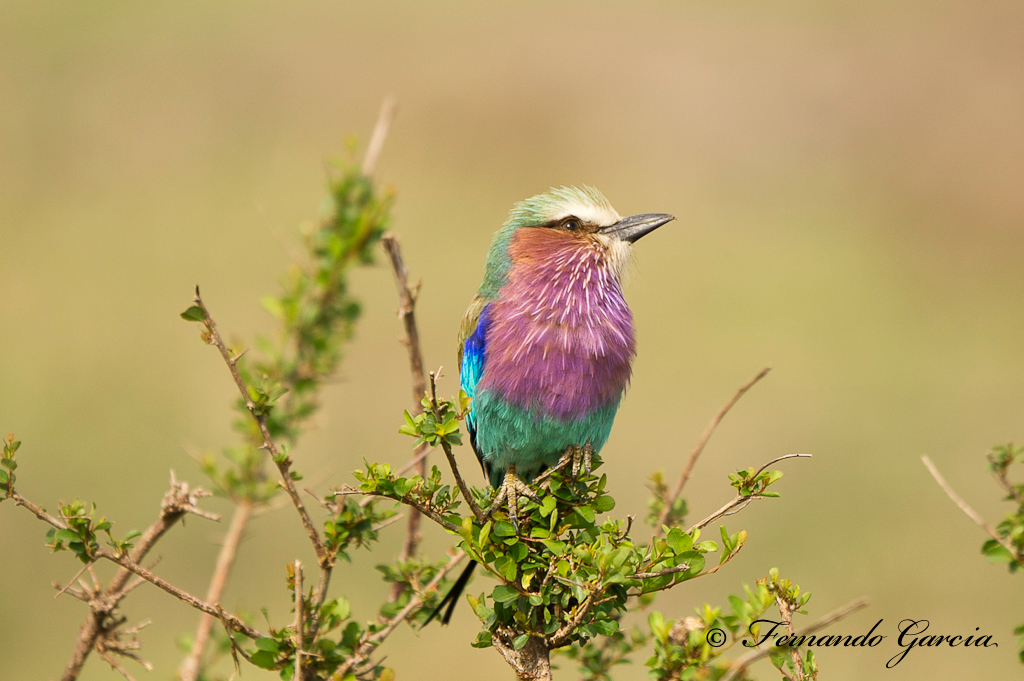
561, 336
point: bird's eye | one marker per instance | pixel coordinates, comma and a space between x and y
572, 224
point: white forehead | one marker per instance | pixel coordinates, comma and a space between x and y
587, 211
585, 203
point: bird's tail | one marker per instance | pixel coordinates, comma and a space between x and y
452, 597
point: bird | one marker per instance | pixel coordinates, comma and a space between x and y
546, 346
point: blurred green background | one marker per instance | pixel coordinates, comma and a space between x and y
848, 180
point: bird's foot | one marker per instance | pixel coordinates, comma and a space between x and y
581, 456
510, 491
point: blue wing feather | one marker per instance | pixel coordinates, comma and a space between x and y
473, 358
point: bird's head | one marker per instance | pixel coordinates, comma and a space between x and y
570, 213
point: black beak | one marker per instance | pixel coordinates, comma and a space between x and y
635, 226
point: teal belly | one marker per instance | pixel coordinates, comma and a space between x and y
508, 434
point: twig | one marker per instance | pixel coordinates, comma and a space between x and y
661, 573
422, 508
1000, 474
299, 621
77, 575
741, 663
699, 447
561, 637
367, 647
742, 500
380, 133
786, 609
283, 463
407, 313
177, 502
463, 487
190, 666
971, 513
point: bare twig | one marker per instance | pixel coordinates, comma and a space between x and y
380, 133
742, 500
699, 447
971, 513
190, 666
77, 575
299, 620
741, 663
407, 313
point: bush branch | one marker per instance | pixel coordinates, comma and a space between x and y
190, 666
370, 643
407, 313
741, 500
971, 513
463, 487
699, 447
283, 463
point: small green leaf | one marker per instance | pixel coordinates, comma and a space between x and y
264, 659
268, 644
194, 314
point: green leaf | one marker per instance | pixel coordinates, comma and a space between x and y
520, 641
268, 644
264, 659
485, 533
504, 528
194, 314
67, 535
504, 594
678, 540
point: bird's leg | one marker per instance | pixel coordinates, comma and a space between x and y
509, 492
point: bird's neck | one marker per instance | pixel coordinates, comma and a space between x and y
569, 280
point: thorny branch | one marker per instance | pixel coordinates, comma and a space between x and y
100, 629
971, 513
191, 666
407, 313
699, 447
282, 461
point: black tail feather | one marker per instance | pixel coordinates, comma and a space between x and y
452, 597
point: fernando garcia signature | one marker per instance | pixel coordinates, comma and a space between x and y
912, 634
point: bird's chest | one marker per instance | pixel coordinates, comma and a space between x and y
560, 340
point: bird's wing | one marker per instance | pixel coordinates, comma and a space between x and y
472, 346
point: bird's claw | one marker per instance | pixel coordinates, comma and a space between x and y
511, 489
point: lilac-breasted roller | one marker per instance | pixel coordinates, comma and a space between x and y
546, 345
